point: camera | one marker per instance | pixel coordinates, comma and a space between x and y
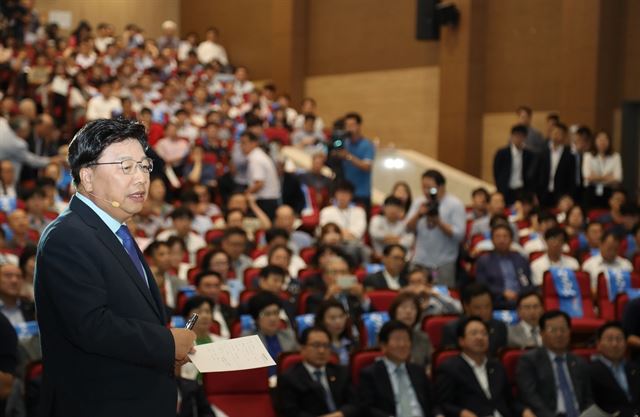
338, 140
433, 205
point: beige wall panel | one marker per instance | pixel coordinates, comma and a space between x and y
398, 106
148, 14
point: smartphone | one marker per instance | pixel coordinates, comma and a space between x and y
346, 281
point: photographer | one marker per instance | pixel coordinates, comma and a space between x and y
438, 219
357, 154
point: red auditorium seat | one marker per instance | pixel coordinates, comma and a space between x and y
584, 353
361, 360
250, 275
305, 273
621, 303
213, 236
636, 262
245, 295
240, 393
381, 299
440, 356
302, 301
202, 252
433, 325
581, 328
535, 255
606, 306
287, 359
509, 359
307, 254
191, 275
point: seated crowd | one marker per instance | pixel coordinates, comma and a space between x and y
442, 293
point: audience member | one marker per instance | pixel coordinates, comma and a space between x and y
406, 309
393, 386
526, 333
333, 317
607, 261
551, 380
392, 276
433, 302
479, 204
389, 228
557, 168
402, 191
602, 171
209, 284
555, 240
513, 166
16, 309
315, 386
615, 382
534, 140
263, 179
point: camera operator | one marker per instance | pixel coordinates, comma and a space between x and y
438, 219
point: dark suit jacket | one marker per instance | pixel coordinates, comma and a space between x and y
194, 400
502, 169
497, 335
378, 282
536, 382
228, 313
300, 395
106, 350
607, 393
488, 271
375, 392
318, 288
564, 181
457, 388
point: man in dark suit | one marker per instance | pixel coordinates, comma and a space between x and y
392, 386
557, 169
551, 380
476, 301
334, 283
12, 305
514, 166
193, 400
393, 276
473, 382
106, 350
615, 382
506, 273
315, 387
209, 284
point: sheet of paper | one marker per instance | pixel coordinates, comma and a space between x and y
231, 355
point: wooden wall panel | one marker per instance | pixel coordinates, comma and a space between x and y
365, 35
398, 106
631, 52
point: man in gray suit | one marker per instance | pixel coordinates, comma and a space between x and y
552, 381
526, 333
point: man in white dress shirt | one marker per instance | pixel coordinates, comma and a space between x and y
264, 182
606, 260
555, 239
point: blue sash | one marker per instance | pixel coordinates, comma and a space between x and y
506, 316
304, 321
247, 324
633, 293
373, 268
582, 241
373, 322
27, 329
442, 290
618, 282
631, 246
568, 290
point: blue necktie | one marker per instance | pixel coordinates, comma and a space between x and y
130, 246
565, 388
331, 405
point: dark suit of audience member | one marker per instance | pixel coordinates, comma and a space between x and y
609, 395
537, 382
631, 323
564, 180
192, 400
376, 395
497, 335
378, 282
457, 388
502, 171
318, 289
300, 395
8, 355
503, 271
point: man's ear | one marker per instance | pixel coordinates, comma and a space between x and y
86, 179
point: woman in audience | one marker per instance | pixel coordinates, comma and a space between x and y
332, 316
178, 253
574, 222
406, 309
283, 256
402, 191
265, 307
157, 198
602, 171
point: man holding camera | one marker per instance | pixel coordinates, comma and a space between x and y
438, 219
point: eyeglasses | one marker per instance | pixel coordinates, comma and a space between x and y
318, 345
128, 165
270, 313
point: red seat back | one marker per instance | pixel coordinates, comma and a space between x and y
240, 393
440, 356
381, 299
509, 359
308, 253
621, 303
250, 274
584, 353
552, 302
607, 307
361, 360
433, 327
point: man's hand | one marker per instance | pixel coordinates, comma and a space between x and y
357, 290
467, 413
183, 339
510, 295
528, 413
332, 290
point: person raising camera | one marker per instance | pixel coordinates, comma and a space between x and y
438, 219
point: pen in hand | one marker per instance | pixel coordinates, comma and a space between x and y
191, 322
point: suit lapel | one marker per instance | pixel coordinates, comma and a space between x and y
471, 376
572, 364
332, 378
633, 380
417, 385
384, 379
108, 239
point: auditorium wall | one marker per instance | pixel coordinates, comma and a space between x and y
148, 14
631, 54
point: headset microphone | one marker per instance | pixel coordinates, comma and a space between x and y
114, 204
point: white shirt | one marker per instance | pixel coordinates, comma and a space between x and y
392, 282
556, 153
208, 51
101, 108
193, 241
217, 316
171, 150
380, 227
596, 265
543, 263
353, 219
515, 180
296, 264
260, 167
480, 371
598, 165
